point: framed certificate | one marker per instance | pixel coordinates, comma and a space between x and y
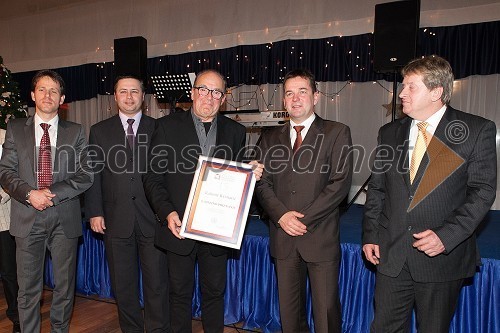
218, 203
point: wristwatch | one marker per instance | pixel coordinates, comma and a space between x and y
28, 196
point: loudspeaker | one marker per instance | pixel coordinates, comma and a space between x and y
131, 55
395, 34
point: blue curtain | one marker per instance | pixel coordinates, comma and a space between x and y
471, 49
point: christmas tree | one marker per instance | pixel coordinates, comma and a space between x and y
11, 105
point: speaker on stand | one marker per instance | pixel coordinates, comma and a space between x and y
131, 55
395, 38
395, 34
395, 44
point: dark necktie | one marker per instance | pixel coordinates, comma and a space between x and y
44, 159
298, 139
130, 133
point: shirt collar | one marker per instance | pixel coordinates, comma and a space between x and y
432, 121
306, 123
54, 122
124, 118
197, 121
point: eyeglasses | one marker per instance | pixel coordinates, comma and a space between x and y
203, 91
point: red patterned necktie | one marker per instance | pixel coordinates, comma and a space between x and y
44, 159
130, 133
298, 139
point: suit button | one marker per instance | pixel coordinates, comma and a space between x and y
131, 159
133, 198
293, 192
132, 179
409, 228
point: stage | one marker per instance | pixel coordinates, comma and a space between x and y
251, 292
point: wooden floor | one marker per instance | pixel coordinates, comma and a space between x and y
89, 315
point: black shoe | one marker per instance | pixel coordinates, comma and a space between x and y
16, 328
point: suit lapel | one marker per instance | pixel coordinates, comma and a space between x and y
220, 137
145, 127
313, 132
402, 138
440, 161
190, 130
29, 134
435, 147
63, 139
118, 133
284, 136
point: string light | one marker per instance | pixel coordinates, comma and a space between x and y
353, 62
236, 104
334, 94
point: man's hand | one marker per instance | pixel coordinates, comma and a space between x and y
372, 253
174, 224
97, 224
258, 169
290, 223
429, 243
41, 199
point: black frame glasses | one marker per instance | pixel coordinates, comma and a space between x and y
216, 94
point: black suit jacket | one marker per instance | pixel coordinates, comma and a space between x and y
313, 182
454, 188
173, 158
117, 192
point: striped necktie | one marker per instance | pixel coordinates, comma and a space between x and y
418, 150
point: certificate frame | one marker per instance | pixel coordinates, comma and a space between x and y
218, 203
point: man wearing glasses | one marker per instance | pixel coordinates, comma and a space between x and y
175, 146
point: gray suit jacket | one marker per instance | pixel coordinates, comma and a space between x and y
71, 175
453, 190
313, 182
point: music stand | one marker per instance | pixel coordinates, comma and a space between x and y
173, 88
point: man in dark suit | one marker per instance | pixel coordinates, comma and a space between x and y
433, 181
117, 207
44, 167
8, 265
301, 189
177, 142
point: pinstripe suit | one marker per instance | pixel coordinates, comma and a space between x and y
453, 190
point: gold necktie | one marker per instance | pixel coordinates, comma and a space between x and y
418, 149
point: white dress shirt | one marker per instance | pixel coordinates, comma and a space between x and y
54, 122
432, 121
306, 123
135, 125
